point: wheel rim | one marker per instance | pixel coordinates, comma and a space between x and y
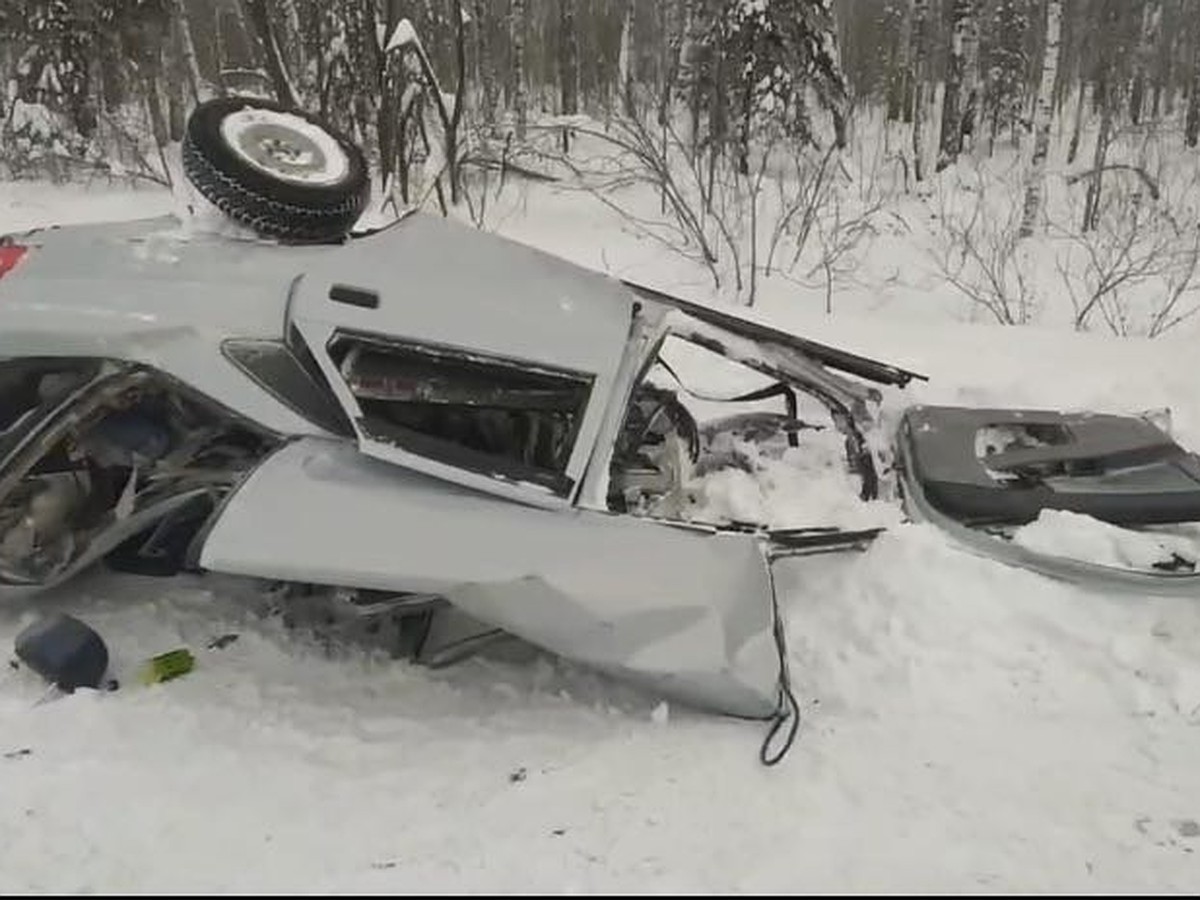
285, 146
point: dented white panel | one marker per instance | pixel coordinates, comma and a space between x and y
443, 282
686, 611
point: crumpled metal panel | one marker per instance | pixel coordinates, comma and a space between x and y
686, 612
1095, 576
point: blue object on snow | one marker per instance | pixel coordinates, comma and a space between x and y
64, 651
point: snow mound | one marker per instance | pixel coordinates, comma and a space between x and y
1076, 536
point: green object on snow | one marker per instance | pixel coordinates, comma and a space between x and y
166, 666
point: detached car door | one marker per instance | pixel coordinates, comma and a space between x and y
466, 356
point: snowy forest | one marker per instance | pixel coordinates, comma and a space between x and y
776, 136
835, 353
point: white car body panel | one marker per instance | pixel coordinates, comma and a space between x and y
684, 610
147, 292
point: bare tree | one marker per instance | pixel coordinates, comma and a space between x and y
982, 255
1136, 269
1045, 114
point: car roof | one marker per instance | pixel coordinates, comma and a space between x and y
441, 281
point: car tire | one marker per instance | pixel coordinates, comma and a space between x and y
279, 171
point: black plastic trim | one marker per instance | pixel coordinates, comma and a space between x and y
841, 360
295, 382
354, 296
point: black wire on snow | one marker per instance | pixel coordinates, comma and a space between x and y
789, 712
789, 707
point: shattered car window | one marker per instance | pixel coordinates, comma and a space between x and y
467, 409
134, 451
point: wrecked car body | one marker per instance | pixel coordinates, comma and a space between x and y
382, 416
443, 430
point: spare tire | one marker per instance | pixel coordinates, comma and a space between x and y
280, 171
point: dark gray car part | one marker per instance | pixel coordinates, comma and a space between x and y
64, 651
1103, 466
991, 466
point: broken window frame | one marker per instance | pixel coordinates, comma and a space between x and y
847, 402
448, 452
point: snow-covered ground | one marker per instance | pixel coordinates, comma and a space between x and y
967, 727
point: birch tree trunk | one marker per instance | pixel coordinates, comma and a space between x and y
244, 32
1077, 127
920, 15
899, 106
158, 118
674, 18
520, 96
1147, 42
970, 82
568, 65
1091, 206
386, 125
1164, 62
1191, 128
280, 80
188, 50
950, 143
173, 85
689, 62
625, 63
487, 66
453, 169
1044, 116
219, 49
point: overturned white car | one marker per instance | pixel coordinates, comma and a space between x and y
428, 411
461, 438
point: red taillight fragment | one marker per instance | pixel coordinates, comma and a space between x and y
10, 255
